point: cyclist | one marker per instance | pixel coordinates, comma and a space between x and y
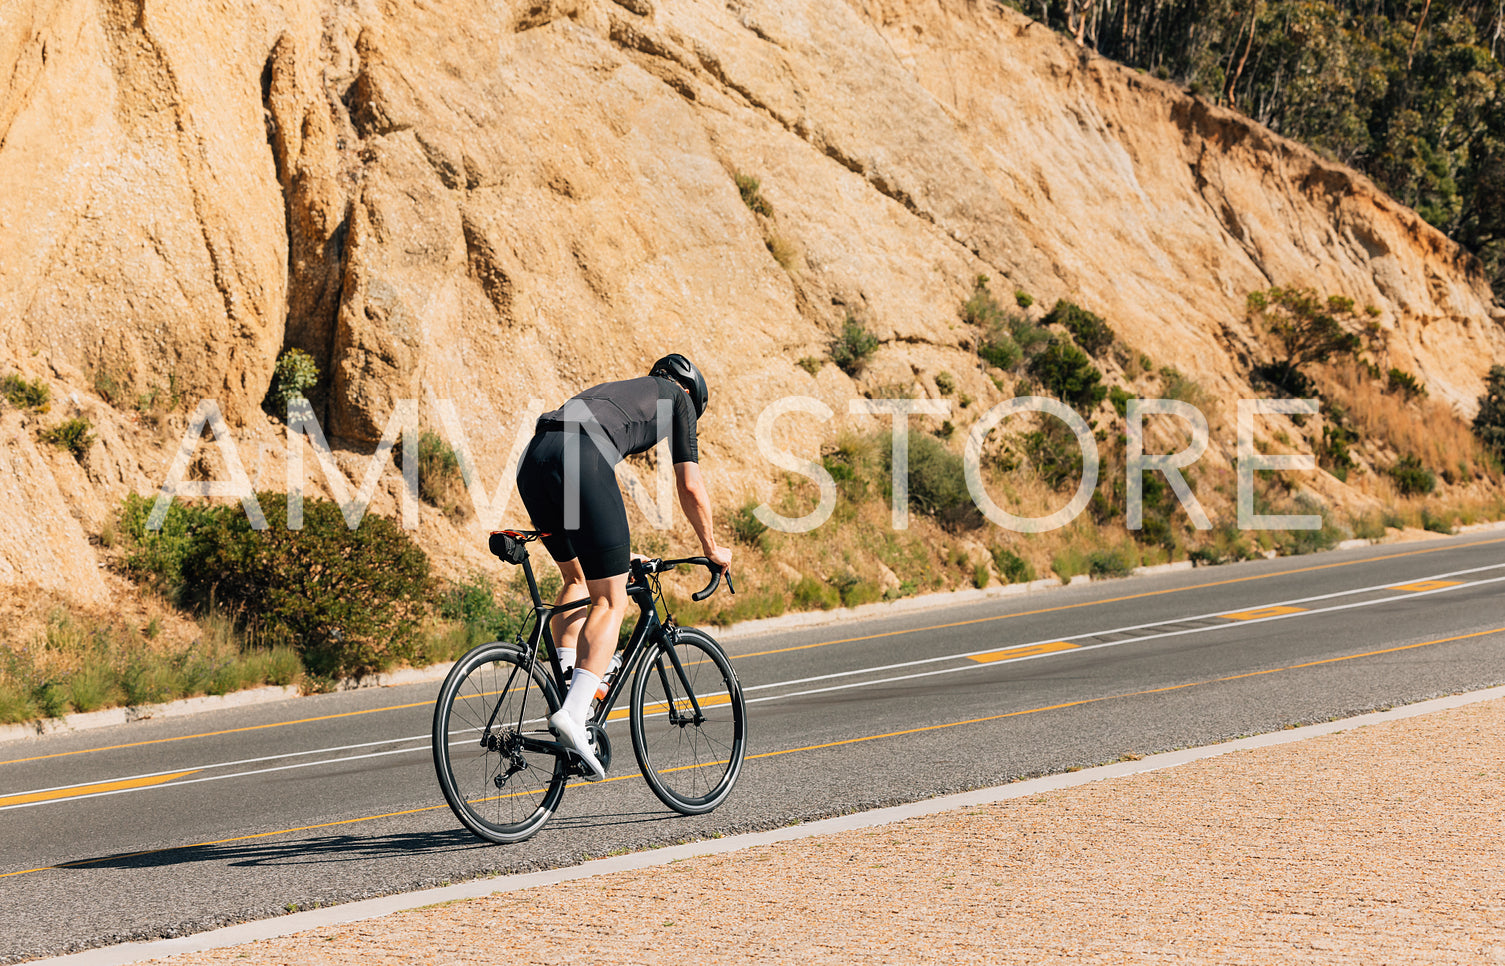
566, 481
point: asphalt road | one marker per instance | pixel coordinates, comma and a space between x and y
167, 827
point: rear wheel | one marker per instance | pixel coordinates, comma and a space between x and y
489, 709
689, 722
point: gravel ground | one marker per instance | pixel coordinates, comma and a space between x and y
1380, 845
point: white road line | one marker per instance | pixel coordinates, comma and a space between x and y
826, 677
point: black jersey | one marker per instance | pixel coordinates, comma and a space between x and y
627, 413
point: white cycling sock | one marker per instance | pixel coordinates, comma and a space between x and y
582, 692
567, 659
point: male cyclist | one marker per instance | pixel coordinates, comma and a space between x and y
567, 482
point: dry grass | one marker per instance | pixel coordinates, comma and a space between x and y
1424, 428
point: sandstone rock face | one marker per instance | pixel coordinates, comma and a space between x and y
498, 203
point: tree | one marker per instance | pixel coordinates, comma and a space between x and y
1489, 425
1305, 328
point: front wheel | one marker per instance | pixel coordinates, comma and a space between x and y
490, 714
689, 721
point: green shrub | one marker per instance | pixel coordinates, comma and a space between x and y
1087, 328
440, 482
1489, 424
810, 364
1411, 478
997, 348
811, 593
981, 308
72, 435
1066, 372
1308, 541
937, 481
1120, 397
852, 348
945, 382
1332, 452
1013, 568
1402, 382
980, 575
746, 527
350, 601
1113, 561
1054, 452
1438, 521
1023, 299
293, 376
1368, 526
26, 395
752, 195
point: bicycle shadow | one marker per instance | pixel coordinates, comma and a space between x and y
342, 847
349, 847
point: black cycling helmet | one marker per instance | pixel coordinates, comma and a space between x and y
681, 370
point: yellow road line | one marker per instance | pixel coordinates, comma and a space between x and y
1111, 600
1425, 585
78, 790
790, 751
804, 647
1028, 650
1260, 613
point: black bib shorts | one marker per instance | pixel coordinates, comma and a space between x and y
600, 540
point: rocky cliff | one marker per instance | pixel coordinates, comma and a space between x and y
499, 202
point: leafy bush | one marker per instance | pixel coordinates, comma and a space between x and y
1054, 452
1489, 424
1013, 568
1087, 328
1113, 561
25, 395
1066, 372
1120, 397
72, 435
1411, 478
350, 602
1332, 452
294, 375
811, 593
853, 346
945, 382
981, 308
810, 364
997, 348
440, 482
746, 527
752, 195
937, 484
1023, 299
1402, 382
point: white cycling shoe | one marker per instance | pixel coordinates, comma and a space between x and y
574, 736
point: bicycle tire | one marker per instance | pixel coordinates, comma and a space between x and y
497, 790
690, 764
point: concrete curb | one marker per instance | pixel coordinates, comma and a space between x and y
374, 908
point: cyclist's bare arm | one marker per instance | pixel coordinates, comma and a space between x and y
696, 503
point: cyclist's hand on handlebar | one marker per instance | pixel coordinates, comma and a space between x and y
721, 557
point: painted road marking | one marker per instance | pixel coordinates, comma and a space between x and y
1279, 610
1272, 612
78, 863
850, 640
1425, 585
115, 786
1028, 650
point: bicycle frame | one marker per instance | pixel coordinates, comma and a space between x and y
647, 628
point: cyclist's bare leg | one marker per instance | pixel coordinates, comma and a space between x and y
566, 626
598, 638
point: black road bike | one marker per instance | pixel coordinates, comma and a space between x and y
503, 771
